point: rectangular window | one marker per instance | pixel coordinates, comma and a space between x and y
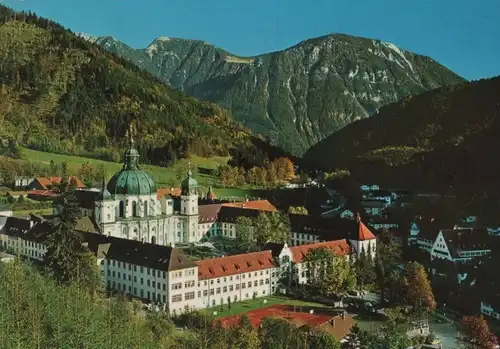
243, 285
147, 282
147, 271
212, 292
153, 284
218, 290
189, 296
164, 287
142, 269
113, 273
177, 286
205, 293
177, 298
256, 283
230, 288
135, 278
189, 283
249, 284
199, 294
261, 282
224, 289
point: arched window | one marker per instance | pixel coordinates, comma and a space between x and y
122, 209
153, 239
134, 209
125, 232
145, 208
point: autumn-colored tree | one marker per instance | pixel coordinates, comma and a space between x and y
475, 334
298, 210
252, 176
272, 177
240, 179
415, 292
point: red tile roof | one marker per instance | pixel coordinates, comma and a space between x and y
47, 182
336, 325
42, 192
208, 213
261, 205
338, 247
168, 191
232, 265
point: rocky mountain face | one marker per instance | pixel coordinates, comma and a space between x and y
298, 96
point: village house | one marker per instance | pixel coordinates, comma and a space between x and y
373, 207
47, 183
461, 245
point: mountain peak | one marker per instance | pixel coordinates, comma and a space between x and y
299, 95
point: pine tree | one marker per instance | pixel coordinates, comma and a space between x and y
66, 257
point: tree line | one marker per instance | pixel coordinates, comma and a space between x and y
271, 174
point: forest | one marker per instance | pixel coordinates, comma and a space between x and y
62, 94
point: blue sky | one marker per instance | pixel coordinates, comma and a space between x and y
461, 34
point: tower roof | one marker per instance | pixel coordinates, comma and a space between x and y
189, 183
363, 232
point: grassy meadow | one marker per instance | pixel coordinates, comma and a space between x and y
164, 177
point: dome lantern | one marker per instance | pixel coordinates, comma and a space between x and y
130, 180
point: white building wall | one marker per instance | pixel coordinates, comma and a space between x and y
239, 287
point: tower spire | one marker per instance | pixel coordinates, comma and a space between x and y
131, 159
130, 136
190, 173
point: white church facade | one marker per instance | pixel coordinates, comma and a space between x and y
128, 207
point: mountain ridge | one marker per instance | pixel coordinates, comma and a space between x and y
296, 96
445, 139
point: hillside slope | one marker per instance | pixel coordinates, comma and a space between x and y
297, 96
60, 93
443, 139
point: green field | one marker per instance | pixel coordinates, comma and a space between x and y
164, 177
243, 307
25, 213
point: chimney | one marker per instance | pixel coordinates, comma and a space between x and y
343, 315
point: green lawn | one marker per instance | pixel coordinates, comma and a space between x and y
25, 213
243, 307
162, 176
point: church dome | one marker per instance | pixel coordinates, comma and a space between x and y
131, 180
